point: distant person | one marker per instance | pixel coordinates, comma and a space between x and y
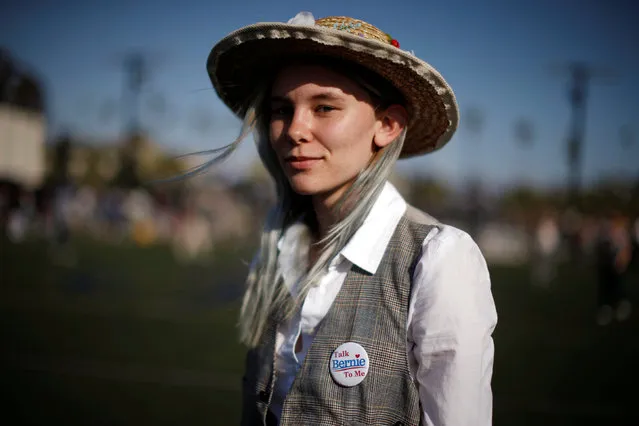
614, 252
359, 309
61, 251
571, 224
635, 242
548, 240
17, 225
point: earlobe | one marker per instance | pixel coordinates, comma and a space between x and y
391, 124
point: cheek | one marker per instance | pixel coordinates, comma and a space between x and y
359, 130
353, 139
342, 135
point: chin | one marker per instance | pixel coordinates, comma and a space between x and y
302, 185
302, 189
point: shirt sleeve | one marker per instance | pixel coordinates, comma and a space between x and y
451, 319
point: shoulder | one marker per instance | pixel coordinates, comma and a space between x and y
445, 240
451, 282
440, 237
450, 263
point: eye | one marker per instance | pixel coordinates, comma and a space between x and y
324, 108
280, 110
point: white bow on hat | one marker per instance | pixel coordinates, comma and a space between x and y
302, 18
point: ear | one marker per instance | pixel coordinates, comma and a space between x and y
390, 124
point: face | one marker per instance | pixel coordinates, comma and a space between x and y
323, 128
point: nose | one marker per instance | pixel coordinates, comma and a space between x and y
299, 129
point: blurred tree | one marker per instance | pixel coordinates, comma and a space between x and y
28, 94
606, 196
581, 76
524, 135
523, 199
429, 194
18, 87
59, 173
634, 198
627, 140
7, 72
597, 199
128, 175
143, 161
475, 124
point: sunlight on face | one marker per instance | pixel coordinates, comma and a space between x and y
322, 128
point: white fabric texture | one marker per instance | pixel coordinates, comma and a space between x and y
450, 320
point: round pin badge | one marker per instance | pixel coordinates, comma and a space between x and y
349, 364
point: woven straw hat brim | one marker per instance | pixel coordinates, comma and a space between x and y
246, 55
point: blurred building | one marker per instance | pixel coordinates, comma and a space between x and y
22, 126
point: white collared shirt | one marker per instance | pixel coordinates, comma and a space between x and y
450, 320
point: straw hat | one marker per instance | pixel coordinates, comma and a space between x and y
244, 56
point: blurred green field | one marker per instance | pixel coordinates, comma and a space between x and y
128, 336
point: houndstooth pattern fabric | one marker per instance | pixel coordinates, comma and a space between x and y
370, 310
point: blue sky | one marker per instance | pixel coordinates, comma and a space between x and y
498, 56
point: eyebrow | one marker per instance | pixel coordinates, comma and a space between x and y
323, 96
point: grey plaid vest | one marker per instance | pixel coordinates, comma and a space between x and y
370, 310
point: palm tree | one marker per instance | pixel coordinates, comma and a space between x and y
474, 124
524, 136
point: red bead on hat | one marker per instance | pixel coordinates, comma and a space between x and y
392, 41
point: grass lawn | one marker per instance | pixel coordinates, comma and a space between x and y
130, 337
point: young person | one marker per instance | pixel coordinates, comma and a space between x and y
359, 309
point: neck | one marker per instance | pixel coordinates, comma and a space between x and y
324, 213
324, 206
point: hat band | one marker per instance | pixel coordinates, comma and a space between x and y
356, 27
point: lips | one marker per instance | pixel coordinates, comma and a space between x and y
300, 162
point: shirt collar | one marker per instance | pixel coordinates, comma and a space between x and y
368, 245
365, 248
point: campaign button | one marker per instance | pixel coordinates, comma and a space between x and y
349, 364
